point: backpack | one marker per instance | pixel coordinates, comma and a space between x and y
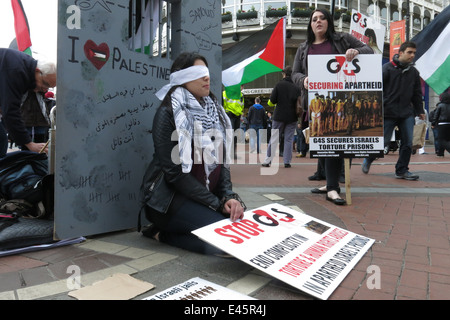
21, 175
26, 200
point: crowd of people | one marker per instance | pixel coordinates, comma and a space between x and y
174, 192
183, 194
332, 116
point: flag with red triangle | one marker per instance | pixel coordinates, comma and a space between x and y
21, 27
268, 59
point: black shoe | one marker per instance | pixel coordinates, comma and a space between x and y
337, 201
287, 165
151, 231
316, 177
266, 165
317, 190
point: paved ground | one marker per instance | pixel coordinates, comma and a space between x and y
410, 221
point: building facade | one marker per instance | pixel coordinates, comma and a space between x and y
240, 18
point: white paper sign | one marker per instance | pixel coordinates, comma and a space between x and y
345, 106
307, 253
198, 289
368, 31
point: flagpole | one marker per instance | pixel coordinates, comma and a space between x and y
407, 18
333, 3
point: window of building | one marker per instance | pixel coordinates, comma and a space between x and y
395, 16
416, 20
371, 10
426, 18
383, 15
227, 6
274, 5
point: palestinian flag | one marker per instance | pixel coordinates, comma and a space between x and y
259, 54
148, 22
21, 26
432, 56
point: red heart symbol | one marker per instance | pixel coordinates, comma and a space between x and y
97, 55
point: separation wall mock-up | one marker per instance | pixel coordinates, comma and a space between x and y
106, 102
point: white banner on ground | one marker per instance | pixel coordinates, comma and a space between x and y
306, 253
198, 289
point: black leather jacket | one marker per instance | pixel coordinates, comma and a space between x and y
442, 114
164, 178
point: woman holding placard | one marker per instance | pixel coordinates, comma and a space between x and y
322, 39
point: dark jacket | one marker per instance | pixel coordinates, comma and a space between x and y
164, 179
17, 76
257, 116
402, 91
285, 95
442, 111
31, 110
341, 43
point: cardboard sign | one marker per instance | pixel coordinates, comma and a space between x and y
198, 289
345, 106
368, 31
306, 253
116, 287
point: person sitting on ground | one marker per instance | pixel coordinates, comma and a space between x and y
190, 188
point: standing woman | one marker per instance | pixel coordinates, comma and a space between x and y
441, 121
322, 39
187, 185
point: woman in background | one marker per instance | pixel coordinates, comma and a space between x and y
322, 39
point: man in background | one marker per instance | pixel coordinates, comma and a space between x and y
234, 109
402, 100
20, 73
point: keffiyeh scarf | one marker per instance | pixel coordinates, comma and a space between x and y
203, 125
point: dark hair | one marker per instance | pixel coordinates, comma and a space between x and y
406, 45
186, 60
183, 61
330, 29
370, 33
287, 71
445, 96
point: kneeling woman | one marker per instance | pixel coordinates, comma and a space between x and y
187, 185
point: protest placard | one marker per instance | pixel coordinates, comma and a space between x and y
368, 30
305, 252
198, 289
345, 106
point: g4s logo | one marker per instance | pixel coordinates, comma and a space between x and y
339, 63
357, 18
